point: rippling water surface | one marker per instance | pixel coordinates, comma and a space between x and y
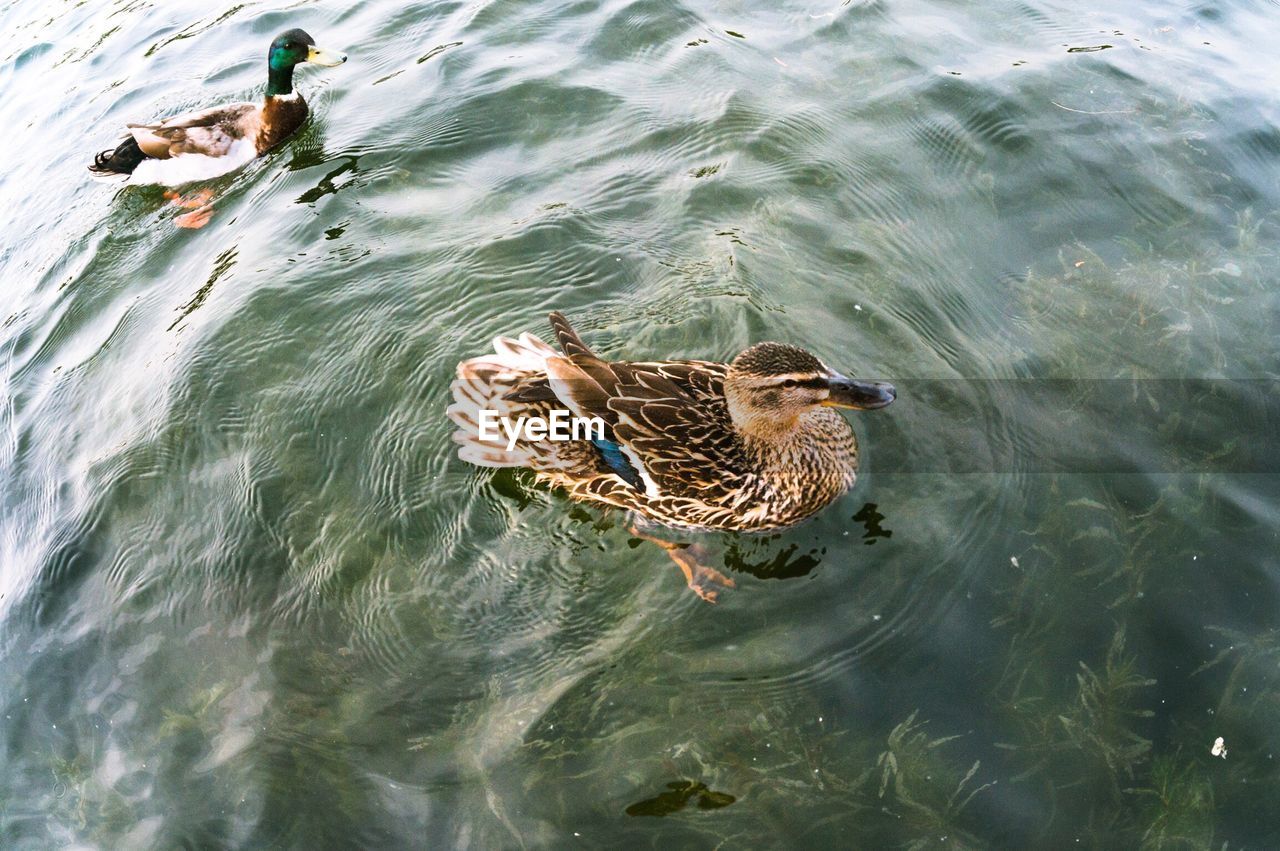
250, 598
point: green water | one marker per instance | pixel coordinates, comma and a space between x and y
250, 598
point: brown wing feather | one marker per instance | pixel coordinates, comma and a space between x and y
679, 440
671, 415
585, 390
581, 378
211, 132
570, 343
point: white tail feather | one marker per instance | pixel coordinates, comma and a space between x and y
481, 385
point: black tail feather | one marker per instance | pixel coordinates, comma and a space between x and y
123, 160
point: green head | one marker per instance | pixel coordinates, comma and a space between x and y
290, 49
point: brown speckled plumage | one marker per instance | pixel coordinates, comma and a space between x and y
710, 446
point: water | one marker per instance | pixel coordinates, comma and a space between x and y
249, 597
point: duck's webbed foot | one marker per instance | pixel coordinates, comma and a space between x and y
703, 580
201, 206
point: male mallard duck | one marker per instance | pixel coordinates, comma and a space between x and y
749, 446
209, 143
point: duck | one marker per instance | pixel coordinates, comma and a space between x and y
754, 445
208, 143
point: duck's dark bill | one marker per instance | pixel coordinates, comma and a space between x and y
862, 395
322, 56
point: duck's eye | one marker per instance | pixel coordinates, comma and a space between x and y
790, 382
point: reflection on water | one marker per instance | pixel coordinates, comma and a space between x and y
221, 266
784, 564
250, 598
681, 793
871, 518
326, 186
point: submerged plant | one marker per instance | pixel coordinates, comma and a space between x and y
915, 777
80, 804
1092, 736
1176, 806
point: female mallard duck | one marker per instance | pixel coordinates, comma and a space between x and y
211, 142
750, 446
